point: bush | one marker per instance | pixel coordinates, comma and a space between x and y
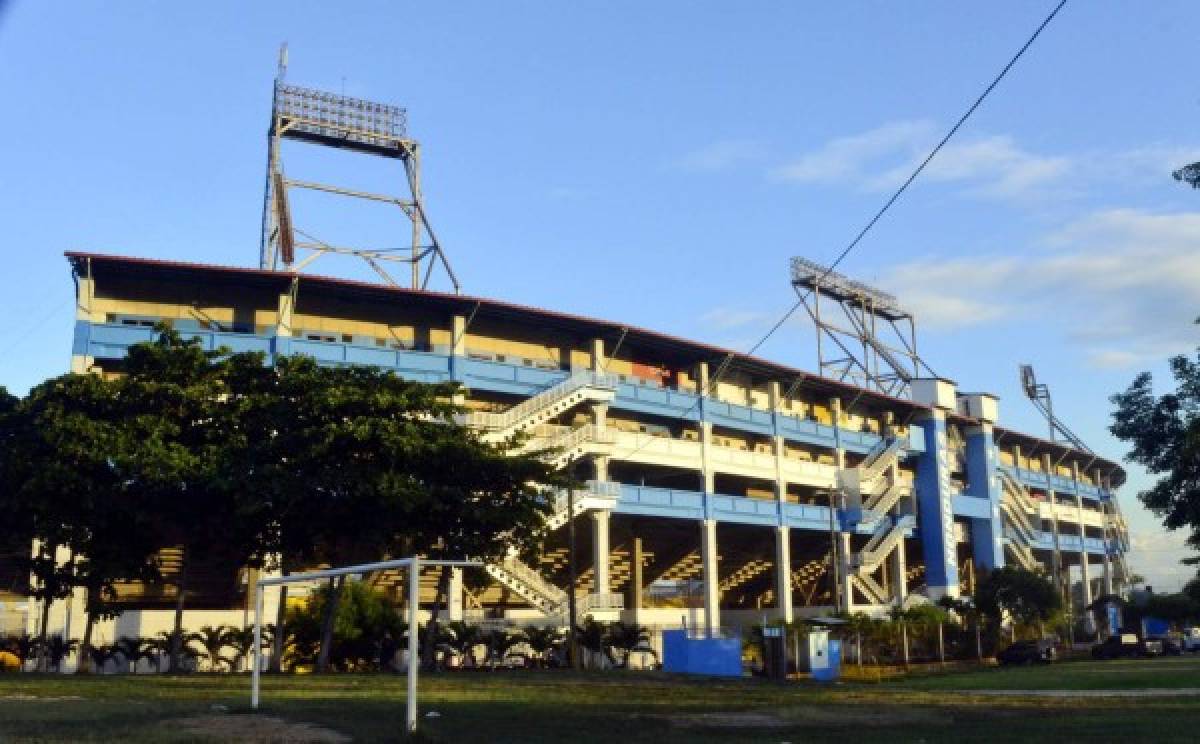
364, 617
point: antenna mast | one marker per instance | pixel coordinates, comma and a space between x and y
364, 127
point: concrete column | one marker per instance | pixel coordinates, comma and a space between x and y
845, 573
840, 538
599, 361
458, 336
899, 560
935, 512
601, 465
777, 445
1108, 572
1052, 497
635, 579
600, 415
712, 580
987, 535
707, 474
600, 551
1083, 552
454, 596
783, 573
287, 308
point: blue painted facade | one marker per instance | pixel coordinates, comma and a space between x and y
938, 502
983, 484
935, 501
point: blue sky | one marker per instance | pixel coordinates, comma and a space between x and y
655, 163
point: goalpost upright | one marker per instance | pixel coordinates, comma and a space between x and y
414, 587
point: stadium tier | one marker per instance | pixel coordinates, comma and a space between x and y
712, 502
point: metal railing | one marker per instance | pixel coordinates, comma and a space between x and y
530, 406
601, 601
879, 459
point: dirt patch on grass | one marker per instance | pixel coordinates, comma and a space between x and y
22, 698
256, 729
814, 715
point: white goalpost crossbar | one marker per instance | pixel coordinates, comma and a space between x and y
413, 565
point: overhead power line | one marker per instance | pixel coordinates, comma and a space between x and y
904, 186
729, 358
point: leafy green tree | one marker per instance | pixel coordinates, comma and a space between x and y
1027, 597
1164, 437
364, 616
71, 492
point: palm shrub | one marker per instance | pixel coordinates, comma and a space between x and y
212, 641
133, 650
593, 638
628, 638
543, 642
57, 649
99, 655
241, 640
502, 645
462, 639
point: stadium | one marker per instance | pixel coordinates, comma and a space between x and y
774, 492
718, 489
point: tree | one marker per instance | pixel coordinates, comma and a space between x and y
71, 494
1025, 596
1164, 437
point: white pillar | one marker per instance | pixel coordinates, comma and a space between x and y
899, 569
712, 580
1083, 553
844, 567
600, 550
783, 573
708, 476
454, 599
598, 358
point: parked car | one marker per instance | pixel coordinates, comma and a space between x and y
1191, 639
1170, 645
1126, 646
1028, 652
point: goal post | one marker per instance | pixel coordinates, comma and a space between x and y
413, 565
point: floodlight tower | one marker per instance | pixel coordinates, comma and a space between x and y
358, 126
863, 335
1189, 174
1039, 394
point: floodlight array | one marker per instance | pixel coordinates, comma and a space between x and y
330, 115
811, 274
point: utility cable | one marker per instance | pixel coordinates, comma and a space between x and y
882, 211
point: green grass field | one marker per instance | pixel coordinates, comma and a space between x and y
529, 706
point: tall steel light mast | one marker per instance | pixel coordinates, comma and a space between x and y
864, 336
359, 126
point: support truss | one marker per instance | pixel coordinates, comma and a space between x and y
863, 335
360, 126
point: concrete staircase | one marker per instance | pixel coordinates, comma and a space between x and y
581, 387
